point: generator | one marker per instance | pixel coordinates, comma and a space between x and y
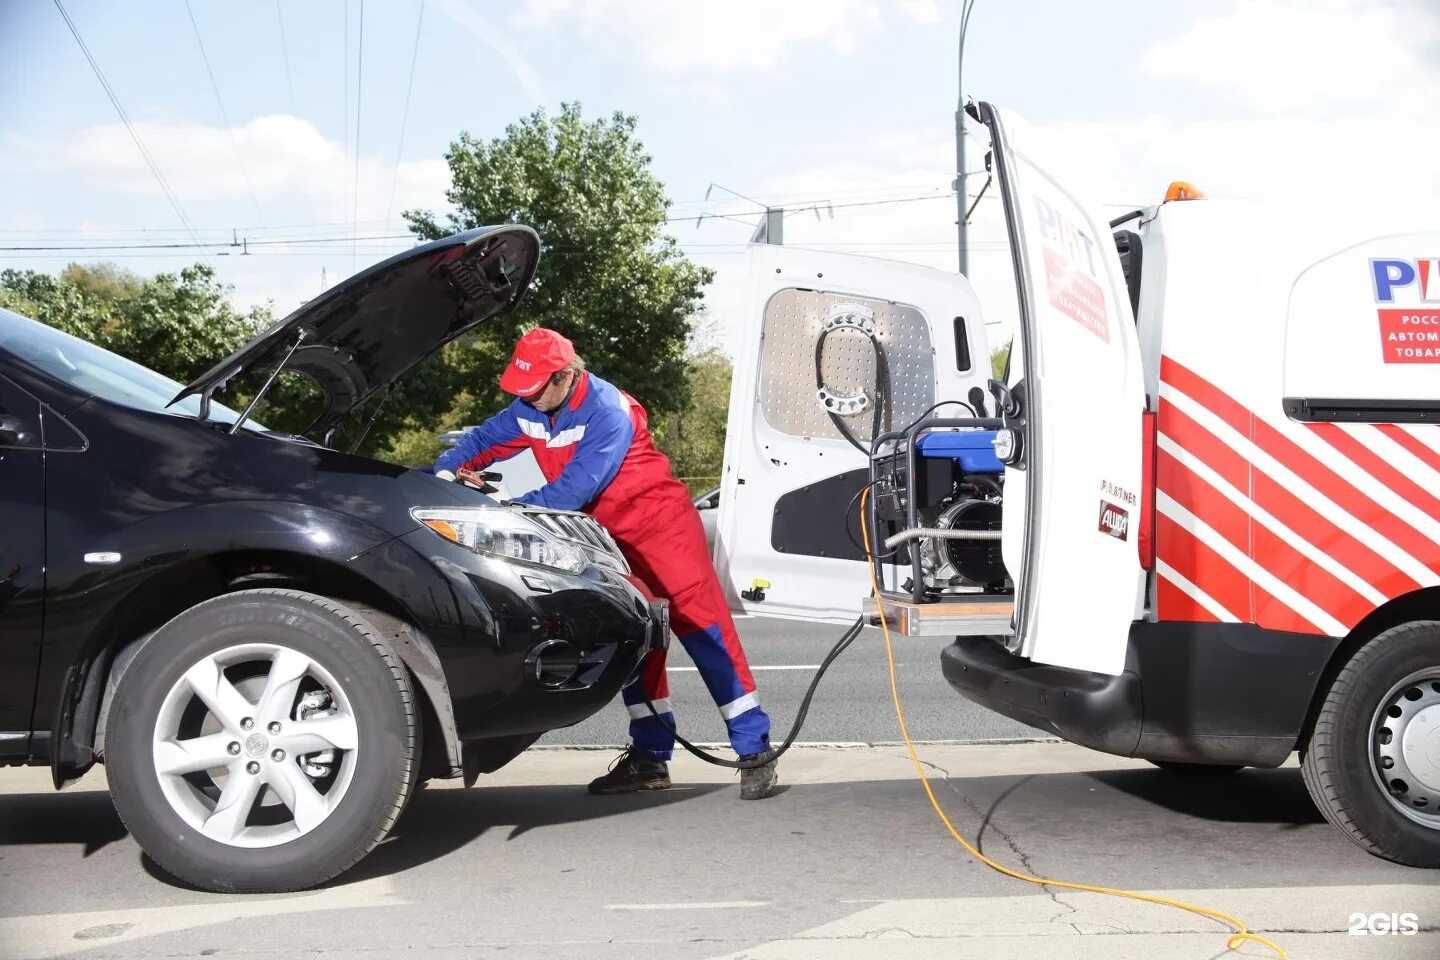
941, 488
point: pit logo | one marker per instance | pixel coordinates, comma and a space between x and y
1409, 333
1417, 281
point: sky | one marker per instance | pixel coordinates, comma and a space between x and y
301, 128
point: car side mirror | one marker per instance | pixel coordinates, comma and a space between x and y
12, 430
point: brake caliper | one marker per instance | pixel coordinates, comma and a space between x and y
313, 706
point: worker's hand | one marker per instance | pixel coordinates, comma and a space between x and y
488, 483
445, 475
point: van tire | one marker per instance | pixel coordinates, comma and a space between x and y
360, 670
1338, 761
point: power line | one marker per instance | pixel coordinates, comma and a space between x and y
405, 115
125, 118
345, 107
225, 115
359, 93
354, 237
285, 52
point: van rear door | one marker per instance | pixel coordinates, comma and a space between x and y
1072, 486
809, 335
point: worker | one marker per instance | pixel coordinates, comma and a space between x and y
593, 446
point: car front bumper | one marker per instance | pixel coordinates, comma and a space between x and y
517, 649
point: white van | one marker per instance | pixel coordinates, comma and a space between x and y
1206, 530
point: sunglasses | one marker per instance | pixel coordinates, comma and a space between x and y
553, 379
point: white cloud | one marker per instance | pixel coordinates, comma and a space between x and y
921, 11
288, 161
732, 37
1279, 54
465, 16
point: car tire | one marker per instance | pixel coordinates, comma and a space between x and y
217, 801
1186, 769
1370, 765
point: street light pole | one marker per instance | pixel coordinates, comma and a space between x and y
961, 196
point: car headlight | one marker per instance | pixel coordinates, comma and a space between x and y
502, 533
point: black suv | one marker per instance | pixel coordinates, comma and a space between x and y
267, 641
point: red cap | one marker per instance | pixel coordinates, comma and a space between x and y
538, 355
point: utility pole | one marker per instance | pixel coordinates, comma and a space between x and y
772, 228
961, 196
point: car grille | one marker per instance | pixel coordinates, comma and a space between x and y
583, 531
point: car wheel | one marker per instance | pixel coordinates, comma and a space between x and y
1372, 764
262, 741
1181, 768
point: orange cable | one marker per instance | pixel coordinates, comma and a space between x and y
1242, 933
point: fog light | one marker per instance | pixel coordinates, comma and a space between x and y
553, 663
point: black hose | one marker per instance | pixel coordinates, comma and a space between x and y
884, 406
847, 638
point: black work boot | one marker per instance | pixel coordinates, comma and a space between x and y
757, 783
633, 770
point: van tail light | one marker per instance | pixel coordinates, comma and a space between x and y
1146, 541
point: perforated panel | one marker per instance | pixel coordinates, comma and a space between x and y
793, 322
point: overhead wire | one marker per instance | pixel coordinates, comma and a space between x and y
345, 73
359, 95
405, 114
285, 53
258, 241
129, 126
225, 115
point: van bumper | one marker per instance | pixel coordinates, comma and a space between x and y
1092, 709
1191, 692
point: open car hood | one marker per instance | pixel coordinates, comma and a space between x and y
363, 333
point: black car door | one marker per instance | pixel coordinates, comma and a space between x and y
22, 561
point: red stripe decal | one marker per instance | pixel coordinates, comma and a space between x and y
1186, 488
1330, 539
1172, 603
1294, 458
1412, 443
1306, 578
1417, 544
1199, 442
1202, 566
1270, 553
1276, 500
1378, 467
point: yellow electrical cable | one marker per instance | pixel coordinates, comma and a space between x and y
1241, 934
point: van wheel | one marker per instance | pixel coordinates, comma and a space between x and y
263, 741
1184, 769
1372, 765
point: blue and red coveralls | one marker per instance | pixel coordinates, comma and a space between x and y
597, 456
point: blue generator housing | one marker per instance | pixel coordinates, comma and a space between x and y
974, 450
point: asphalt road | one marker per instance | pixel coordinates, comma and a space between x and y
848, 862
852, 704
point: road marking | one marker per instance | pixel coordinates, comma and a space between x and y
716, 905
786, 666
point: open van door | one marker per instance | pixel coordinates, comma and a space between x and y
821, 341
1073, 480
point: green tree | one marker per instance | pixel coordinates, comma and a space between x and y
694, 436
998, 359
178, 324
609, 278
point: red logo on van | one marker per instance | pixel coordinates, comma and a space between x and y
1114, 520
1075, 295
1408, 334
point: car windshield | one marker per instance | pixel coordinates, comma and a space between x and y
99, 372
